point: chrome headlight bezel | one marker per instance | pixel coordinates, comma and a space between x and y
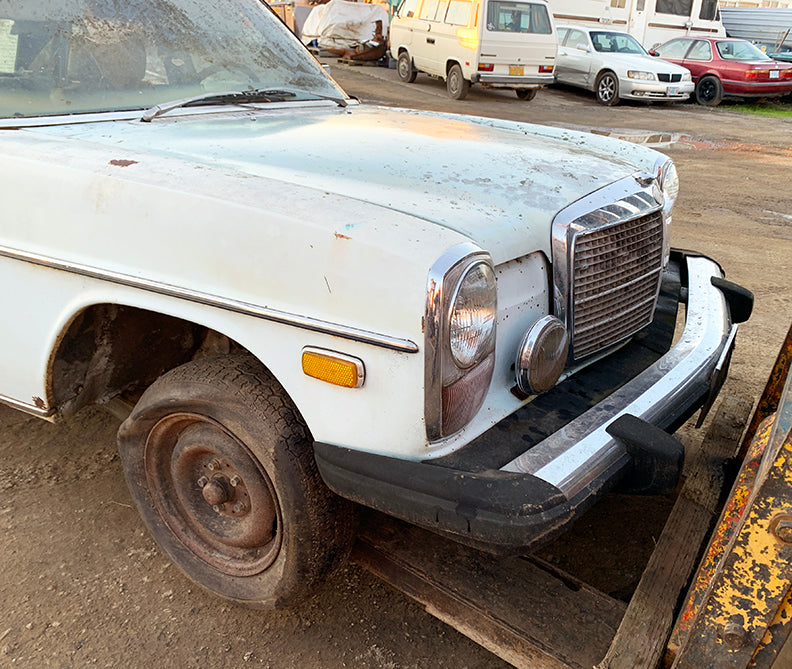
668, 183
457, 378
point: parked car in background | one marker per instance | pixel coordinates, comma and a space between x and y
727, 68
492, 43
780, 52
614, 65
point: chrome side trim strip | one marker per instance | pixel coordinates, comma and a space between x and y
575, 455
236, 306
48, 414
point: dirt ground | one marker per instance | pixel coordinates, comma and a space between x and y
84, 585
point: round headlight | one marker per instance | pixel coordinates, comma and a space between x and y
473, 315
542, 356
670, 184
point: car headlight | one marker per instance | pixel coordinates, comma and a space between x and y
686, 76
461, 317
668, 181
473, 314
638, 74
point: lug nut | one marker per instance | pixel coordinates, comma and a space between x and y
783, 530
235, 481
213, 464
240, 507
202, 482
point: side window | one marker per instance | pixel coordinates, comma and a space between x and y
458, 13
700, 51
442, 6
676, 7
407, 9
428, 10
561, 33
675, 49
576, 38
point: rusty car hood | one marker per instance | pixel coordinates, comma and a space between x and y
498, 183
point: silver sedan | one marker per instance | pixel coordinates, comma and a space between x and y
614, 65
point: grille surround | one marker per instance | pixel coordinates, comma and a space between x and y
607, 264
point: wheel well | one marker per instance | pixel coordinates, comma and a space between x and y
111, 350
450, 64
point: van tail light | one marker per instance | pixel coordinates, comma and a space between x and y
486, 67
545, 69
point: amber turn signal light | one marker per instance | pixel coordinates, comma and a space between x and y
331, 367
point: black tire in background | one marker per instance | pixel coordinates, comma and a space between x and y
456, 83
526, 94
220, 465
709, 91
405, 69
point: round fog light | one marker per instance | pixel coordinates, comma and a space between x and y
542, 356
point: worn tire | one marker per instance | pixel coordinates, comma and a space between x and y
405, 69
607, 89
456, 83
709, 91
526, 94
220, 465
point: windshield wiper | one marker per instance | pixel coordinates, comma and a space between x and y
236, 97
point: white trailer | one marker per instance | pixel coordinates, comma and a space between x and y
649, 21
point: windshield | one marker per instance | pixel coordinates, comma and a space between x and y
73, 56
740, 51
607, 42
518, 17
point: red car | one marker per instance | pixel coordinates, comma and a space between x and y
727, 67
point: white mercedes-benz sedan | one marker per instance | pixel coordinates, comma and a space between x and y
615, 66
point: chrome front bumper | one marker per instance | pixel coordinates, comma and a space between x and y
498, 496
572, 458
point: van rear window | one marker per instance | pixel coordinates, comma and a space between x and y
518, 17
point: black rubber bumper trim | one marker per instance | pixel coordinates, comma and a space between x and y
488, 508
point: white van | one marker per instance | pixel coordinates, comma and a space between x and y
493, 43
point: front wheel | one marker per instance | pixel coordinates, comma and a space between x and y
221, 468
405, 69
526, 94
456, 83
607, 89
709, 91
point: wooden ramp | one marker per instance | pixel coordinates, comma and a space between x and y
533, 615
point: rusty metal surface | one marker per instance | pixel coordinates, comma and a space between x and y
769, 400
743, 616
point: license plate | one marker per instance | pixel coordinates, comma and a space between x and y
672, 90
516, 70
774, 74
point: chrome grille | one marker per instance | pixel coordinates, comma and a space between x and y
664, 76
615, 279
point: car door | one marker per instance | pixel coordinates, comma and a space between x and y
698, 59
573, 62
424, 49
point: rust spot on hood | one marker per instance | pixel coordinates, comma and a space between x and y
123, 163
340, 236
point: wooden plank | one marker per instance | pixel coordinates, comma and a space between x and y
641, 639
524, 611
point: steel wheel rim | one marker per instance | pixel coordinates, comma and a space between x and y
453, 82
212, 494
404, 67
